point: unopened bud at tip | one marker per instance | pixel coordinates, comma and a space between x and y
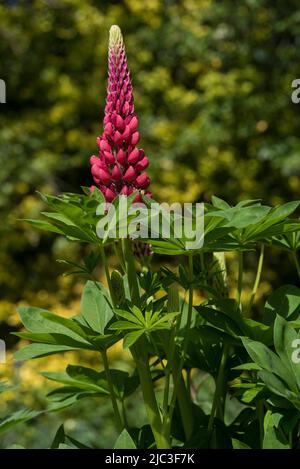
115, 37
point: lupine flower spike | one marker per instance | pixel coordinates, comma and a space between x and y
120, 166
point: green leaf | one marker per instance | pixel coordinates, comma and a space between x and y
5, 387
42, 321
40, 350
273, 437
277, 386
269, 361
284, 338
124, 441
104, 342
131, 338
58, 438
95, 306
248, 367
43, 225
15, 446
54, 339
285, 301
16, 418
237, 444
219, 320
219, 203
65, 446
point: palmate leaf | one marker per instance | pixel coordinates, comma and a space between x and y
74, 216
70, 229
256, 222
241, 217
55, 334
265, 227
213, 231
134, 323
288, 241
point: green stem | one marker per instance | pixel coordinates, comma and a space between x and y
124, 413
260, 416
140, 356
186, 408
119, 422
219, 388
240, 278
170, 358
257, 278
291, 439
177, 377
131, 273
107, 274
188, 381
183, 396
119, 255
294, 255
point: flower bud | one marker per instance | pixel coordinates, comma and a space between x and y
129, 175
109, 157
104, 176
109, 194
117, 138
134, 156
116, 173
142, 165
133, 124
143, 181
108, 129
121, 156
104, 145
119, 123
135, 138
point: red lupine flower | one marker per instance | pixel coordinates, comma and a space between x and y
119, 168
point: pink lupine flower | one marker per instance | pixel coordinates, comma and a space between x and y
120, 166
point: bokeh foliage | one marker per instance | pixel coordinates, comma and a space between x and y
212, 84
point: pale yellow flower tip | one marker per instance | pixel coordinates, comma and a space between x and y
115, 37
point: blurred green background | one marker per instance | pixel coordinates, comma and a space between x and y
212, 83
